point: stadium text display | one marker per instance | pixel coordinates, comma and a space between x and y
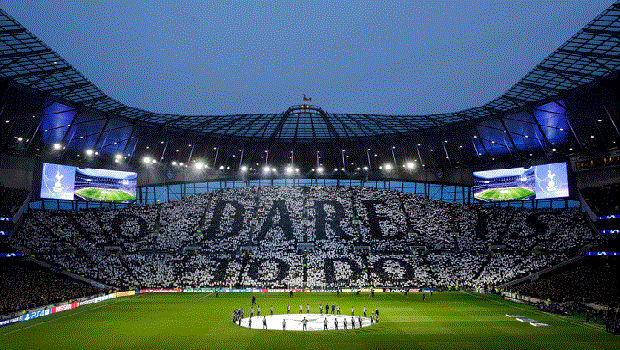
537, 182
100, 185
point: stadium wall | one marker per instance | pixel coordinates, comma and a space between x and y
164, 174
17, 172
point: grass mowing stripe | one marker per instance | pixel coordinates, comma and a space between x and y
557, 317
192, 321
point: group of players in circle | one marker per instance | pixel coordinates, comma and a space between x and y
239, 314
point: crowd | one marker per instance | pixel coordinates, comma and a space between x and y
251, 236
603, 200
24, 285
592, 279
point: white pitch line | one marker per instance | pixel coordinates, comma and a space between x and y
206, 295
585, 325
58, 318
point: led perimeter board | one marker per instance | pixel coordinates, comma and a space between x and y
100, 185
537, 182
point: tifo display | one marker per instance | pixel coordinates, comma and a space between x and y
101, 185
536, 182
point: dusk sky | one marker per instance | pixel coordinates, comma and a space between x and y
226, 57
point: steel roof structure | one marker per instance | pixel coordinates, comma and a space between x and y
592, 53
565, 104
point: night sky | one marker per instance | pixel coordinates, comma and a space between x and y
226, 57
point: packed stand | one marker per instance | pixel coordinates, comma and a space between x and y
25, 285
603, 200
358, 237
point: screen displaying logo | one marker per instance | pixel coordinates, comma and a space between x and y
536, 182
101, 185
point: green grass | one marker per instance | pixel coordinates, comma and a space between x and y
201, 321
504, 194
104, 195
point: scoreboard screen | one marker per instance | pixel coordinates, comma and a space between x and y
100, 185
537, 182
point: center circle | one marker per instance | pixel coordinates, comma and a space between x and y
314, 322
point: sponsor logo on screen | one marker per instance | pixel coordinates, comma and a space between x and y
64, 307
96, 300
603, 253
10, 255
9, 321
608, 217
36, 314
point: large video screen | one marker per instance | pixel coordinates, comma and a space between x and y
100, 185
536, 182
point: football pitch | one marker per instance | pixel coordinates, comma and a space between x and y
104, 194
202, 321
504, 194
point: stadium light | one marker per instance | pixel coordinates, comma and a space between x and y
365, 168
320, 170
118, 156
266, 170
146, 160
154, 161
297, 170
244, 169
57, 146
387, 166
198, 165
174, 163
289, 170
221, 167
20, 139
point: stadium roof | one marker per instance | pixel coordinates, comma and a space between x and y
566, 105
592, 53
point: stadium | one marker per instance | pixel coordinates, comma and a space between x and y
489, 227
